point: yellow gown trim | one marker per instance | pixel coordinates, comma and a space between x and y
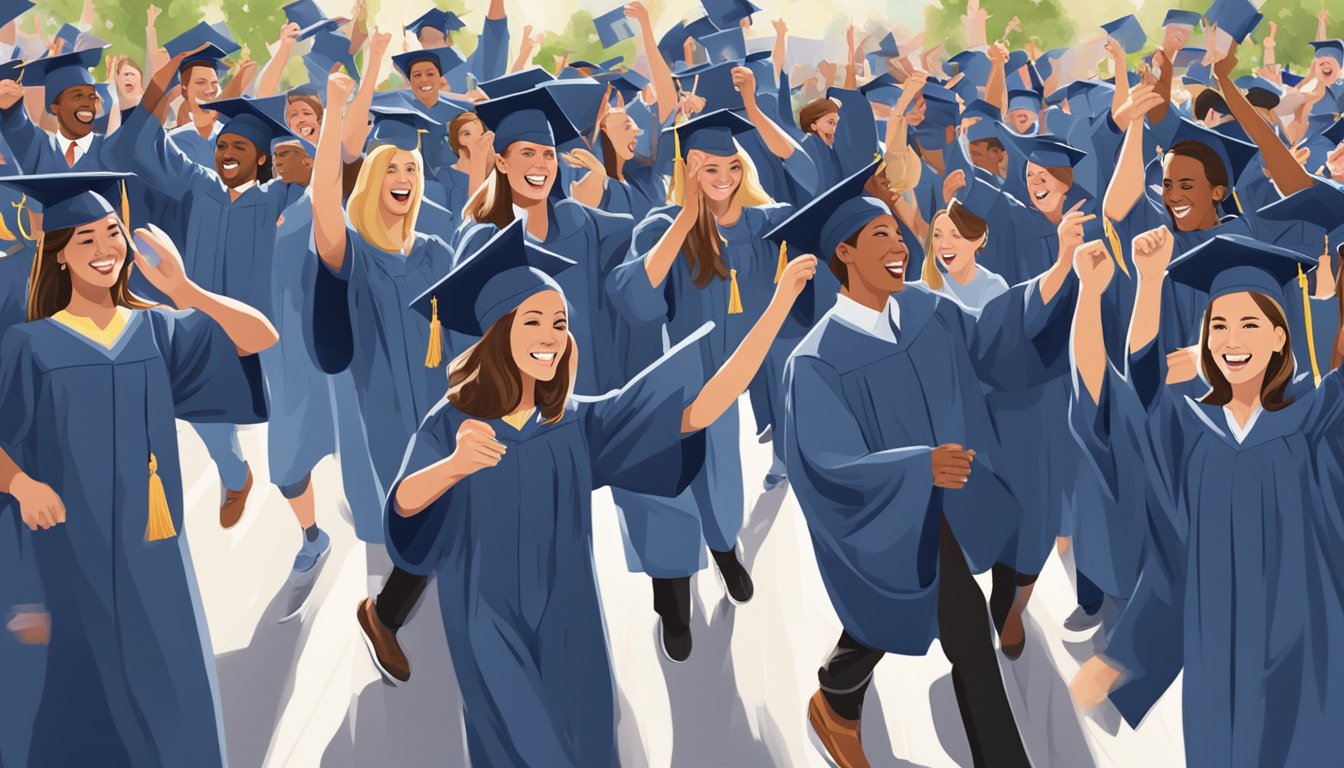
104, 337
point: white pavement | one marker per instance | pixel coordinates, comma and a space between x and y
304, 693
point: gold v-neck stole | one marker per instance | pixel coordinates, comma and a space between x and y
104, 337
518, 420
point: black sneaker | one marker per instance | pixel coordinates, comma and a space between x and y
736, 581
676, 641
672, 603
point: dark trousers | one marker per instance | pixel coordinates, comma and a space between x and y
965, 634
1090, 595
1006, 583
400, 594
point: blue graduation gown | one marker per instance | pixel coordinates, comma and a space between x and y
642, 191
200, 150
131, 655
362, 322
490, 60
826, 159
859, 461
1239, 589
514, 545
856, 138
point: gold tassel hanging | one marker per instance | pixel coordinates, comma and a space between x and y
734, 295
160, 525
1311, 336
678, 165
434, 355
125, 207
18, 218
1237, 200
783, 261
1114, 238
5, 232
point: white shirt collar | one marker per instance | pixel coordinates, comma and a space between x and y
869, 321
1239, 432
82, 145
240, 189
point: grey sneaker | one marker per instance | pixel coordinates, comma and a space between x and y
307, 567
1081, 621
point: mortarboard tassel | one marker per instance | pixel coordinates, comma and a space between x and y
734, 295
1114, 238
434, 355
5, 232
1311, 335
125, 206
678, 165
1237, 200
160, 525
18, 218
783, 261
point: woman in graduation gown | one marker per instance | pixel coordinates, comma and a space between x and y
1238, 590
371, 268
496, 491
92, 386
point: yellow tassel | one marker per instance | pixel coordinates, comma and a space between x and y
1311, 336
5, 232
1114, 238
434, 355
734, 295
125, 206
18, 218
1237, 200
160, 525
783, 261
678, 165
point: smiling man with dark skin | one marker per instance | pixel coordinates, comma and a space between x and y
75, 110
71, 98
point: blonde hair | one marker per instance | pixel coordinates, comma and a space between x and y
703, 245
968, 225
366, 199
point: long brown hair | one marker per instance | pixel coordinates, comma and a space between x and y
484, 382
703, 244
611, 162
455, 127
492, 202
49, 286
1277, 376
1063, 174
969, 225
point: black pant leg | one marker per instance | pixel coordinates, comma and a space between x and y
1090, 595
964, 631
400, 594
846, 674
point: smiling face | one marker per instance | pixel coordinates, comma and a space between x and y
622, 133
1241, 338
303, 121
826, 126
1046, 192
75, 109
1021, 120
530, 168
720, 177
1327, 68
425, 81
1190, 198
293, 165
237, 160
95, 254
400, 184
201, 84
955, 252
539, 336
877, 260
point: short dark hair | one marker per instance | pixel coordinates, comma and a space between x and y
1209, 99
991, 144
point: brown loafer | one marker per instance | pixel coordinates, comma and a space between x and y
231, 511
838, 736
382, 643
1013, 638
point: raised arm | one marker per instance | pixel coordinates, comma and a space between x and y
1162, 88
664, 87
357, 114
1127, 183
1152, 253
776, 140
996, 89
779, 53
1267, 45
851, 65
1120, 69
526, 49
659, 261
275, 68
151, 37
731, 380
1095, 268
1284, 169
328, 216
243, 75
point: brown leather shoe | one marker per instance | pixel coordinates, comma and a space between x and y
840, 737
382, 644
231, 511
1013, 638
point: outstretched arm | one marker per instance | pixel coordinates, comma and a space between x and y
357, 115
664, 87
1152, 253
328, 216
1095, 268
1284, 169
275, 68
1127, 184
776, 140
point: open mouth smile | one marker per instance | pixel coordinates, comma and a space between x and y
400, 195
1041, 194
948, 258
545, 358
895, 268
1181, 211
104, 266
536, 181
84, 116
1237, 362
229, 165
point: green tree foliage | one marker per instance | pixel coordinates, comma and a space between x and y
579, 40
121, 23
1045, 22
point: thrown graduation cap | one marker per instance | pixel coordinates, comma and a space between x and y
13, 9
728, 45
1046, 151
310, 18
532, 115
1235, 18
1127, 31
444, 21
1229, 264
248, 120
882, 89
1235, 154
72, 199
492, 282
446, 59
1333, 49
614, 27
1021, 98
726, 14
713, 83
401, 126
1179, 18
515, 82
831, 218
219, 44
711, 133
886, 49
628, 84
974, 65
672, 43
1289, 79
1199, 74
1319, 203
580, 99
67, 36
57, 73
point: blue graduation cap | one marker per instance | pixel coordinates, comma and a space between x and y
1045, 63
274, 106
1045, 151
72, 199
728, 45
982, 108
831, 218
886, 49
882, 89
1198, 74
219, 44
446, 59
592, 67
444, 21
12, 70
579, 99
727, 14
1259, 91
532, 115
13, 9
1127, 31
613, 27
492, 282
1016, 61
398, 98
329, 49
281, 141
940, 113
401, 126
310, 18
515, 82
1289, 79
671, 44
985, 130
1235, 154
67, 36
628, 83
711, 133
1237, 18
1188, 57
713, 83
1085, 97
1227, 264
57, 73
701, 28
1318, 204
1021, 98
974, 65
1332, 49
249, 121
1179, 18
986, 127
1334, 133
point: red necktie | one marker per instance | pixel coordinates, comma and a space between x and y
70, 154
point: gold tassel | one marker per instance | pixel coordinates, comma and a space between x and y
160, 525
5, 232
434, 355
18, 218
125, 206
783, 261
1237, 200
1114, 238
1311, 336
734, 295
678, 165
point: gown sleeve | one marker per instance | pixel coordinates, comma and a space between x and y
628, 284
333, 338
415, 543
25, 139
1019, 341
211, 383
856, 136
18, 390
491, 58
141, 147
634, 434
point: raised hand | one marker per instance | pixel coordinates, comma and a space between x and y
639, 13
166, 273
378, 43
1152, 253
152, 15
744, 80
1334, 162
582, 158
781, 28
11, 92
953, 183
1224, 66
289, 35
1182, 365
1012, 26
998, 54
1268, 42
339, 88
1325, 273
1142, 98
158, 84
828, 71
951, 466
476, 449
1093, 264
796, 276
1070, 230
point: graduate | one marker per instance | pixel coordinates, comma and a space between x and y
425, 71
491, 57
371, 268
1239, 591
495, 494
200, 85
91, 386
70, 96
474, 147
229, 214
904, 498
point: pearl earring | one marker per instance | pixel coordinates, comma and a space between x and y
62, 267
